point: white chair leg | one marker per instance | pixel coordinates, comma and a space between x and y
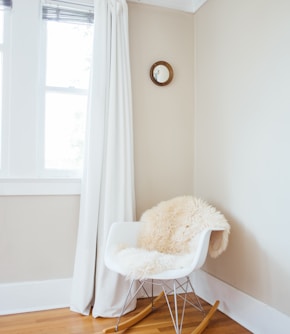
175, 315
128, 301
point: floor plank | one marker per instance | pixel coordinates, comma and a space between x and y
63, 321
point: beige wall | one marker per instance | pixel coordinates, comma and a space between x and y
38, 233
242, 135
163, 117
37, 237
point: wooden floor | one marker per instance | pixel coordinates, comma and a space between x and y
63, 321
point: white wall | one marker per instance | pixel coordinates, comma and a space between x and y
242, 135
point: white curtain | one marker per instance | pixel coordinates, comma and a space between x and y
108, 183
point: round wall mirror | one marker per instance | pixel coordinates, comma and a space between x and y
161, 73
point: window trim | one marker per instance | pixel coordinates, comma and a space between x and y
39, 186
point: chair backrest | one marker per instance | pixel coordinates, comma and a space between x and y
201, 251
124, 235
193, 261
171, 225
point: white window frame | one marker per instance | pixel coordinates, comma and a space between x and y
5, 50
22, 172
43, 171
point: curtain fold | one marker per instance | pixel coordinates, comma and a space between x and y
108, 183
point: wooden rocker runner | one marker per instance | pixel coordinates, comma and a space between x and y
147, 310
135, 319
202, 326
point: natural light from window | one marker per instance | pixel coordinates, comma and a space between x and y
1, 77
1, 26
68, 58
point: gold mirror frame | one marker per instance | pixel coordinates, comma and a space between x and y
161, 73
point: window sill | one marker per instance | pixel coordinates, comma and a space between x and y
30, 187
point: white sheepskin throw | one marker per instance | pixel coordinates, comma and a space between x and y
168, 236
138, 263
172, 224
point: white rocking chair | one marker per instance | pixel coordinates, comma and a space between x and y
173, 279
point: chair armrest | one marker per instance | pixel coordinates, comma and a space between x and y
121, 234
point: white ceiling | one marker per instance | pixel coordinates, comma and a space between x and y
190, 6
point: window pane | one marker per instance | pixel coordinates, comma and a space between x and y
65, 127
68, 60
1, 78
68, 54
1, 104
1, 26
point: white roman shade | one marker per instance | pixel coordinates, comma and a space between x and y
5, 4
70, 11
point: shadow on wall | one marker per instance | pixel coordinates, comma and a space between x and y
253, 270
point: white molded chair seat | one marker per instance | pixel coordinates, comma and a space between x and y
126, 234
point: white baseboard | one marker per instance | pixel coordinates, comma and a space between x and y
34, 296
252, 314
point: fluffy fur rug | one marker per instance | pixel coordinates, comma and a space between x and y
167, 240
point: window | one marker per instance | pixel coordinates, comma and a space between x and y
68, 58
43, 94
5, 5
1, 77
